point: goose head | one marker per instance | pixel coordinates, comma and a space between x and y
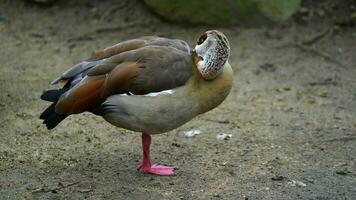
212, 50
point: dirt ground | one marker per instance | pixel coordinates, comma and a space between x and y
291, 112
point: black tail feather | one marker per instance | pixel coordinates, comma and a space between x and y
53, 95
50, 117
46, 113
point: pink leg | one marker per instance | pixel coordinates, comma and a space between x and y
146, 166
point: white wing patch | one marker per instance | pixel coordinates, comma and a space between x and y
153, 94
164, 92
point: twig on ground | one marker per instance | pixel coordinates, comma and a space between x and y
80, 38
318, 37
218, 121
306, 46
85, 190
55, 189
326, 56
341, 139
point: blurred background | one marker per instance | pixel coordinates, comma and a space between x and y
291, 113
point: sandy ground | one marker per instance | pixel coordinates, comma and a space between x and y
291, 113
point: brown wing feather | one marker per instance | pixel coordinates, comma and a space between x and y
155, 68
119, 78
98, 57
151, 68
101, 69
93, 90
118, 48
161, 68
81, 97
139, 43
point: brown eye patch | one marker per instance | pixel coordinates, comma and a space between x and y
202, 38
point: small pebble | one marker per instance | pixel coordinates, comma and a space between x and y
191, 133
342, 171
223, 136
296, 183
324, 94
278, 178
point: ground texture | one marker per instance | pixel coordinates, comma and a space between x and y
291, 112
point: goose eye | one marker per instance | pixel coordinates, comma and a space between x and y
202, 38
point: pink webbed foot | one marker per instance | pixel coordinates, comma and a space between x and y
156, 169
146, 166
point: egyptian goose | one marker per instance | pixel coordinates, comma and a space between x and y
150, 85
